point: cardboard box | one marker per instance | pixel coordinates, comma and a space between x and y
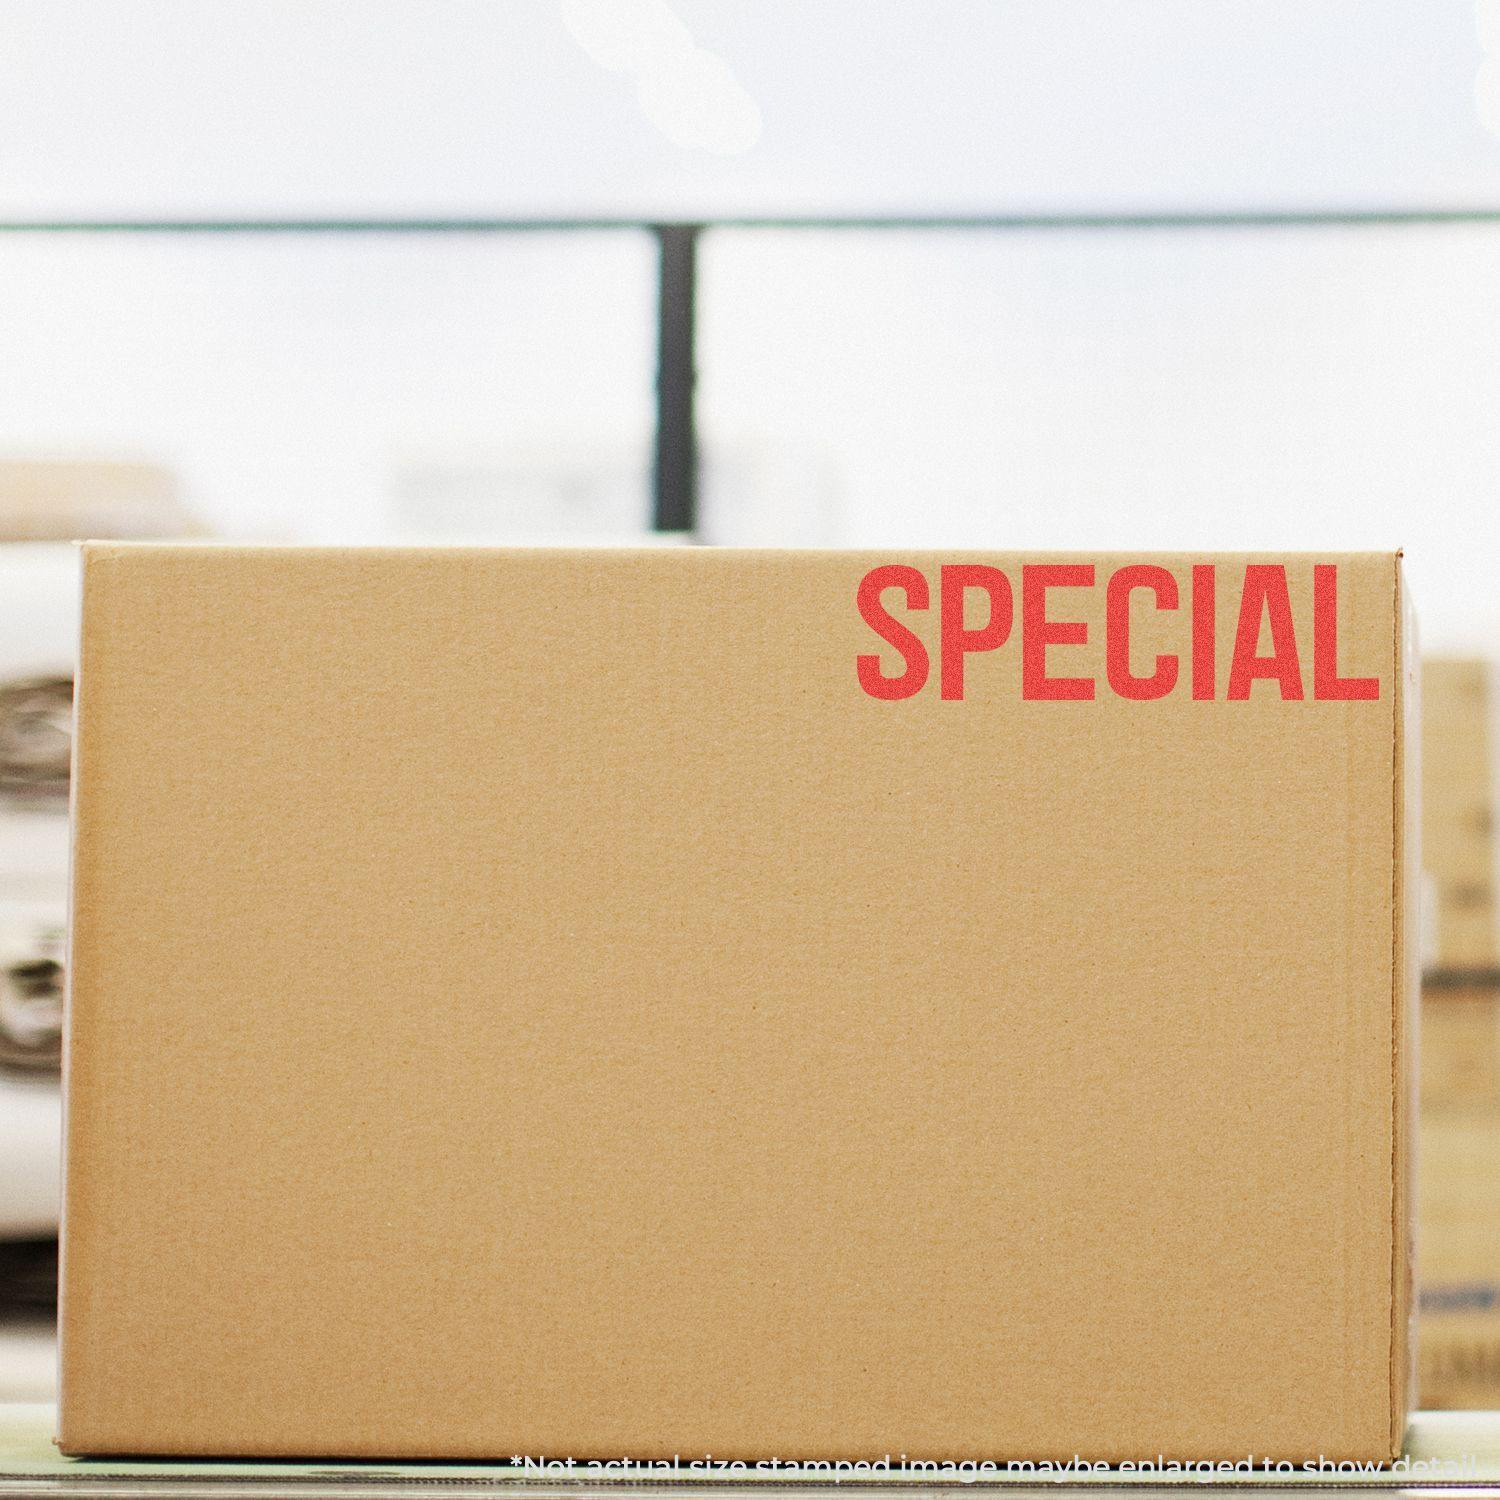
609, 1004
1459, 1196
1458, 803
56, 500
1460, 1052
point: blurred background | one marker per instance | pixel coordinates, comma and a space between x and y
1184, 274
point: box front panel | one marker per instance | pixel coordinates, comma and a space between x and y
544, 1003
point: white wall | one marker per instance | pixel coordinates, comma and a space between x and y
1279, 389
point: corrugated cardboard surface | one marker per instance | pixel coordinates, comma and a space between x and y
536, 1003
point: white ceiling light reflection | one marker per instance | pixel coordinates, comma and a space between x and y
689, 93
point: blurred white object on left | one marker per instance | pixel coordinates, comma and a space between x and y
38, 626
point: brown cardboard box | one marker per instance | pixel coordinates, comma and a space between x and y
56, 500
1460, 1052
1459, 1197
1458, 853
616, 1004
1459, 1184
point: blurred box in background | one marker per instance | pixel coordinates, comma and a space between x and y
1458, 812
59, 500
1459, 1177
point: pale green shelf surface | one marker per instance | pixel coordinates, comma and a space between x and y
1445, 1450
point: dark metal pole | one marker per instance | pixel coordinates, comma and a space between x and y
676, 481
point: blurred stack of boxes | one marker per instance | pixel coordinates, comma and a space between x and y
1459, 1172
43, 507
